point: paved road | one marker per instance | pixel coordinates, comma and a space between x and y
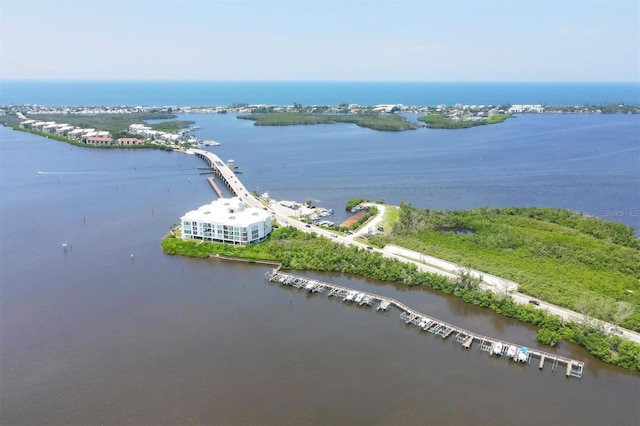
424, 262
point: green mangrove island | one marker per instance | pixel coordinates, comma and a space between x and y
375, 121
562, 257
384, 122
441, 121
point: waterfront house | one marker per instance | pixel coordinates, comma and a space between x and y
168, 136
138, 129
130, 141
49, 127
75, 133
63, 129
98, 140
227, 220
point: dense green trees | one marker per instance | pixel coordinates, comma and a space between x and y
354, 202
440, 121
172, 126
384, 122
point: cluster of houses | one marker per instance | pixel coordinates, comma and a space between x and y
148, 132
88, 136
459, 112
526, 108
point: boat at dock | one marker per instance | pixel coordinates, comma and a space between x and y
384, 305
424, 324
409, 316
366, 301
523, 355
497, 348
350, 296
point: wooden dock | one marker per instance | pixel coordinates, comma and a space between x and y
214, 186
573, 368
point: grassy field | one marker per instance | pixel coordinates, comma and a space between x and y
583, 263
391, 216
439, 121
391, 123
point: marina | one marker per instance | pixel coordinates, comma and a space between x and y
495, 347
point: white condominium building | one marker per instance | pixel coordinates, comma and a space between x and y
226, 220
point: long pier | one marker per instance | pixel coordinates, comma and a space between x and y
465, 338
215, 187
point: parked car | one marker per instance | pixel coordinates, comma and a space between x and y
534, 302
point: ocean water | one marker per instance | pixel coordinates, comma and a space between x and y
183, 93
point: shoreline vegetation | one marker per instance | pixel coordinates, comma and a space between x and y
382, 122
390, 117
545, 239
580, 262
441, 121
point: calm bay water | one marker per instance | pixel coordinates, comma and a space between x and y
91, 337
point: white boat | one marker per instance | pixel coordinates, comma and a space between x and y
310, 285
523, 355
497, 348
384, 305
424, 324
511, 352
350, 296
359, 297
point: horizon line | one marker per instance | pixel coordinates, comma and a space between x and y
87, 80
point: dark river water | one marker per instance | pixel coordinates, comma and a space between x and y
90, 336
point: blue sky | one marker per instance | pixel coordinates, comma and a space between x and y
371, 40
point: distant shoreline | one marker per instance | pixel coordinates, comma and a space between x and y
255, 108
381, 117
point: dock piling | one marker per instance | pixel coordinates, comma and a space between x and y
574, 368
